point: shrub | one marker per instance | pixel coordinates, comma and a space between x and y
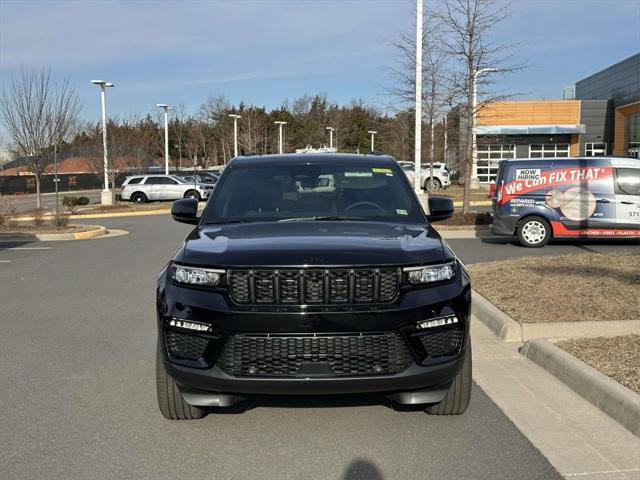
71, 201
60, 221
7, 213
38, 218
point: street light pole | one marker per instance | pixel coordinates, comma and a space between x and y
106, 197
235, 132
331, 129
418, 120
166, 109
474, 146
55, 180
373, 134
280, 123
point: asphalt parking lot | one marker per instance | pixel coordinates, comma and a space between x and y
79, 390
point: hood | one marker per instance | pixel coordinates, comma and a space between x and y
312, 243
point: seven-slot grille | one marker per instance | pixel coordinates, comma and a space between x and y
314, 285
333, 355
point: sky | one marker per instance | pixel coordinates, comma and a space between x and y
263, 52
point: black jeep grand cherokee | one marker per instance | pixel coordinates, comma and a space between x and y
313, 274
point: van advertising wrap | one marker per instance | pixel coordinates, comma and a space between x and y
576, 196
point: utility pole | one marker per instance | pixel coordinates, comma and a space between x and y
235, 132
280, 123
166, 109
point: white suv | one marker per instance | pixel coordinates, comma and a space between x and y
440, 175
145, 188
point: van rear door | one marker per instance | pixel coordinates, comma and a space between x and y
627, 196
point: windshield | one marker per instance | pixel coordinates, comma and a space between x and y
313, 192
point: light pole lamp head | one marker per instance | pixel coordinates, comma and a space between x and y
372, 132
485, 70
235, 115
164, 106
102, 83
331, 129
280, 122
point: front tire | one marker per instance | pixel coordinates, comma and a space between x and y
533, 232
171, 402
192, 194
457, 399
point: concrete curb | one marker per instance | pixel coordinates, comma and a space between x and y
476, 203
106, 215
505, 327
97, 231
615, 400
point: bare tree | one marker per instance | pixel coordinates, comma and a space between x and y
468, 26
438, 88
37, 114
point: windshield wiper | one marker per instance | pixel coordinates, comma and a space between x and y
325, 218
231, 220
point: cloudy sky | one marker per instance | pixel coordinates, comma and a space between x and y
264, 52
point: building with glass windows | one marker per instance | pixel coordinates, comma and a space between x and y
619, 85
603, 119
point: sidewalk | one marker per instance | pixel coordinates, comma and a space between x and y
579, 440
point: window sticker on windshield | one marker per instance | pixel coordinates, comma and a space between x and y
358, 174
386, 171
401, 211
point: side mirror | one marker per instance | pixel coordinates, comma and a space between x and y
440, 208
185, 211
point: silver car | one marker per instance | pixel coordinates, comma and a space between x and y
440, 175
147, 188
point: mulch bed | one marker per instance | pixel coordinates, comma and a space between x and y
565, 288
616, 357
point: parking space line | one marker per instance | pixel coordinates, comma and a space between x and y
29, 248
5, 261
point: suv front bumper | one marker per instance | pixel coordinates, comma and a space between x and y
203, 380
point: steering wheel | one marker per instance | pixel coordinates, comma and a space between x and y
364, 204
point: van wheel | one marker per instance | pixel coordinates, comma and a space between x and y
171, 402
457, 399
432, 185
533, 232
139, 198
192, 194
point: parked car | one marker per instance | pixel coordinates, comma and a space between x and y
440, 180
147, 188
313, 275
203, 178
592, 197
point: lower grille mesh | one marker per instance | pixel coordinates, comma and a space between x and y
186, 346
442, 342
322, 355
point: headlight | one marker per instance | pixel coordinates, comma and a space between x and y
201, 277
435, 273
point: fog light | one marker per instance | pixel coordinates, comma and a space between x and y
437, 322
189, 325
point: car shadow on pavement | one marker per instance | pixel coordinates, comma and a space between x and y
362, 469
11, 240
